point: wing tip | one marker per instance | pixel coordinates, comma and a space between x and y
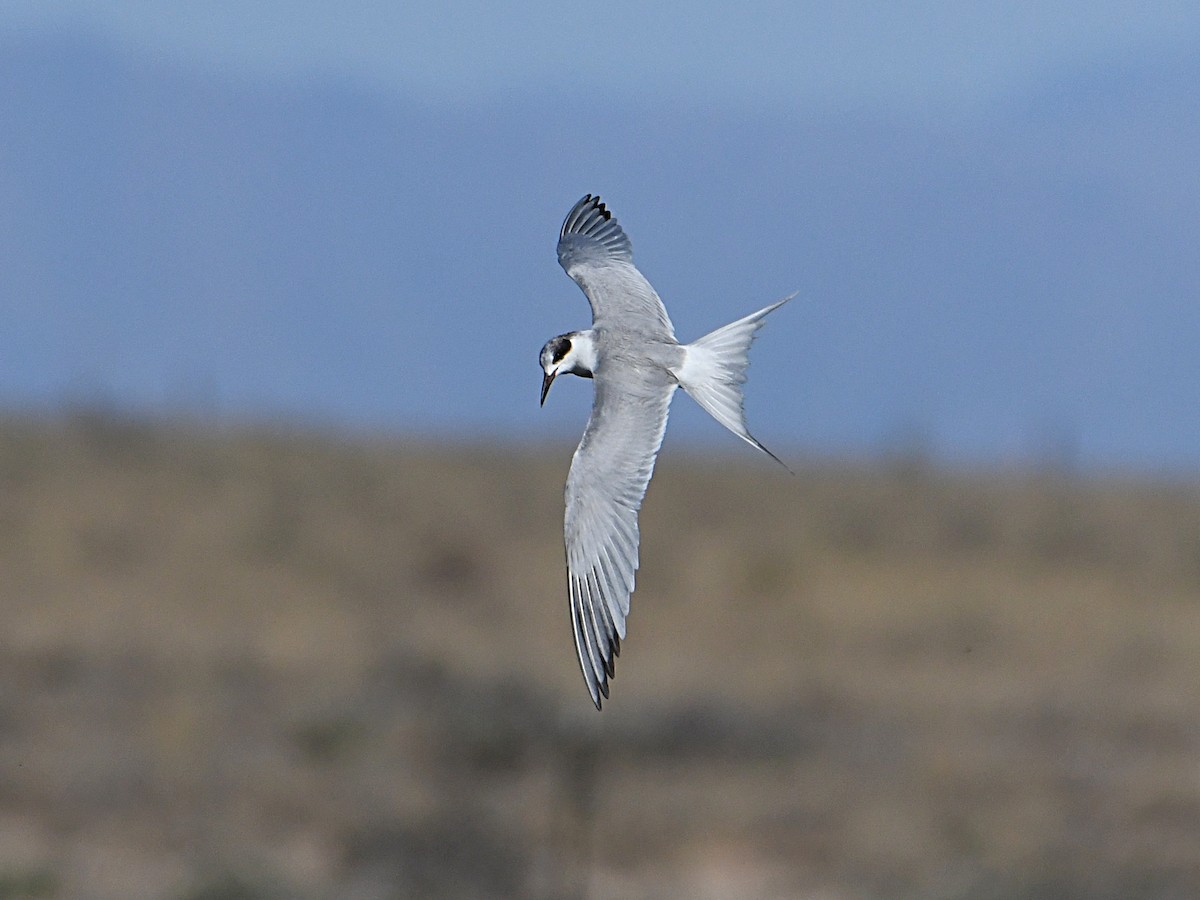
600, 689
596, 641
591, 223
595, 665
583, 208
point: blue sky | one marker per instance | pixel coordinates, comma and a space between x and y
895, 54
291, 209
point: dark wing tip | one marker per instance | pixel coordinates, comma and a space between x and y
596, 638
598, 681
590, 229
598, 205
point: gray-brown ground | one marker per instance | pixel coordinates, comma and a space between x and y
256, 665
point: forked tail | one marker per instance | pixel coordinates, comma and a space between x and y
714, 370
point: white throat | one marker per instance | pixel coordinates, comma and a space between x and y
582, 359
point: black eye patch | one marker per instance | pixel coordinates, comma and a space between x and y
561, 349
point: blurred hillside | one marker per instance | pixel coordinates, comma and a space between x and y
257, 664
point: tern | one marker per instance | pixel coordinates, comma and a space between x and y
635, 364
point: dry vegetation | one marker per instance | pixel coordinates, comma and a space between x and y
261, 665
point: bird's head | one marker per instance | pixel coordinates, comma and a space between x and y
570, 354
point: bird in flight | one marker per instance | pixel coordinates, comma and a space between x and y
636, 363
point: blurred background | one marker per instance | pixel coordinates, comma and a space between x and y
281, 583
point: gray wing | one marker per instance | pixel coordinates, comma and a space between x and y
596, 253
608, 479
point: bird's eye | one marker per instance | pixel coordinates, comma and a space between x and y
561, 350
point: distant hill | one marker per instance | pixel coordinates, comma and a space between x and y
1004, 285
